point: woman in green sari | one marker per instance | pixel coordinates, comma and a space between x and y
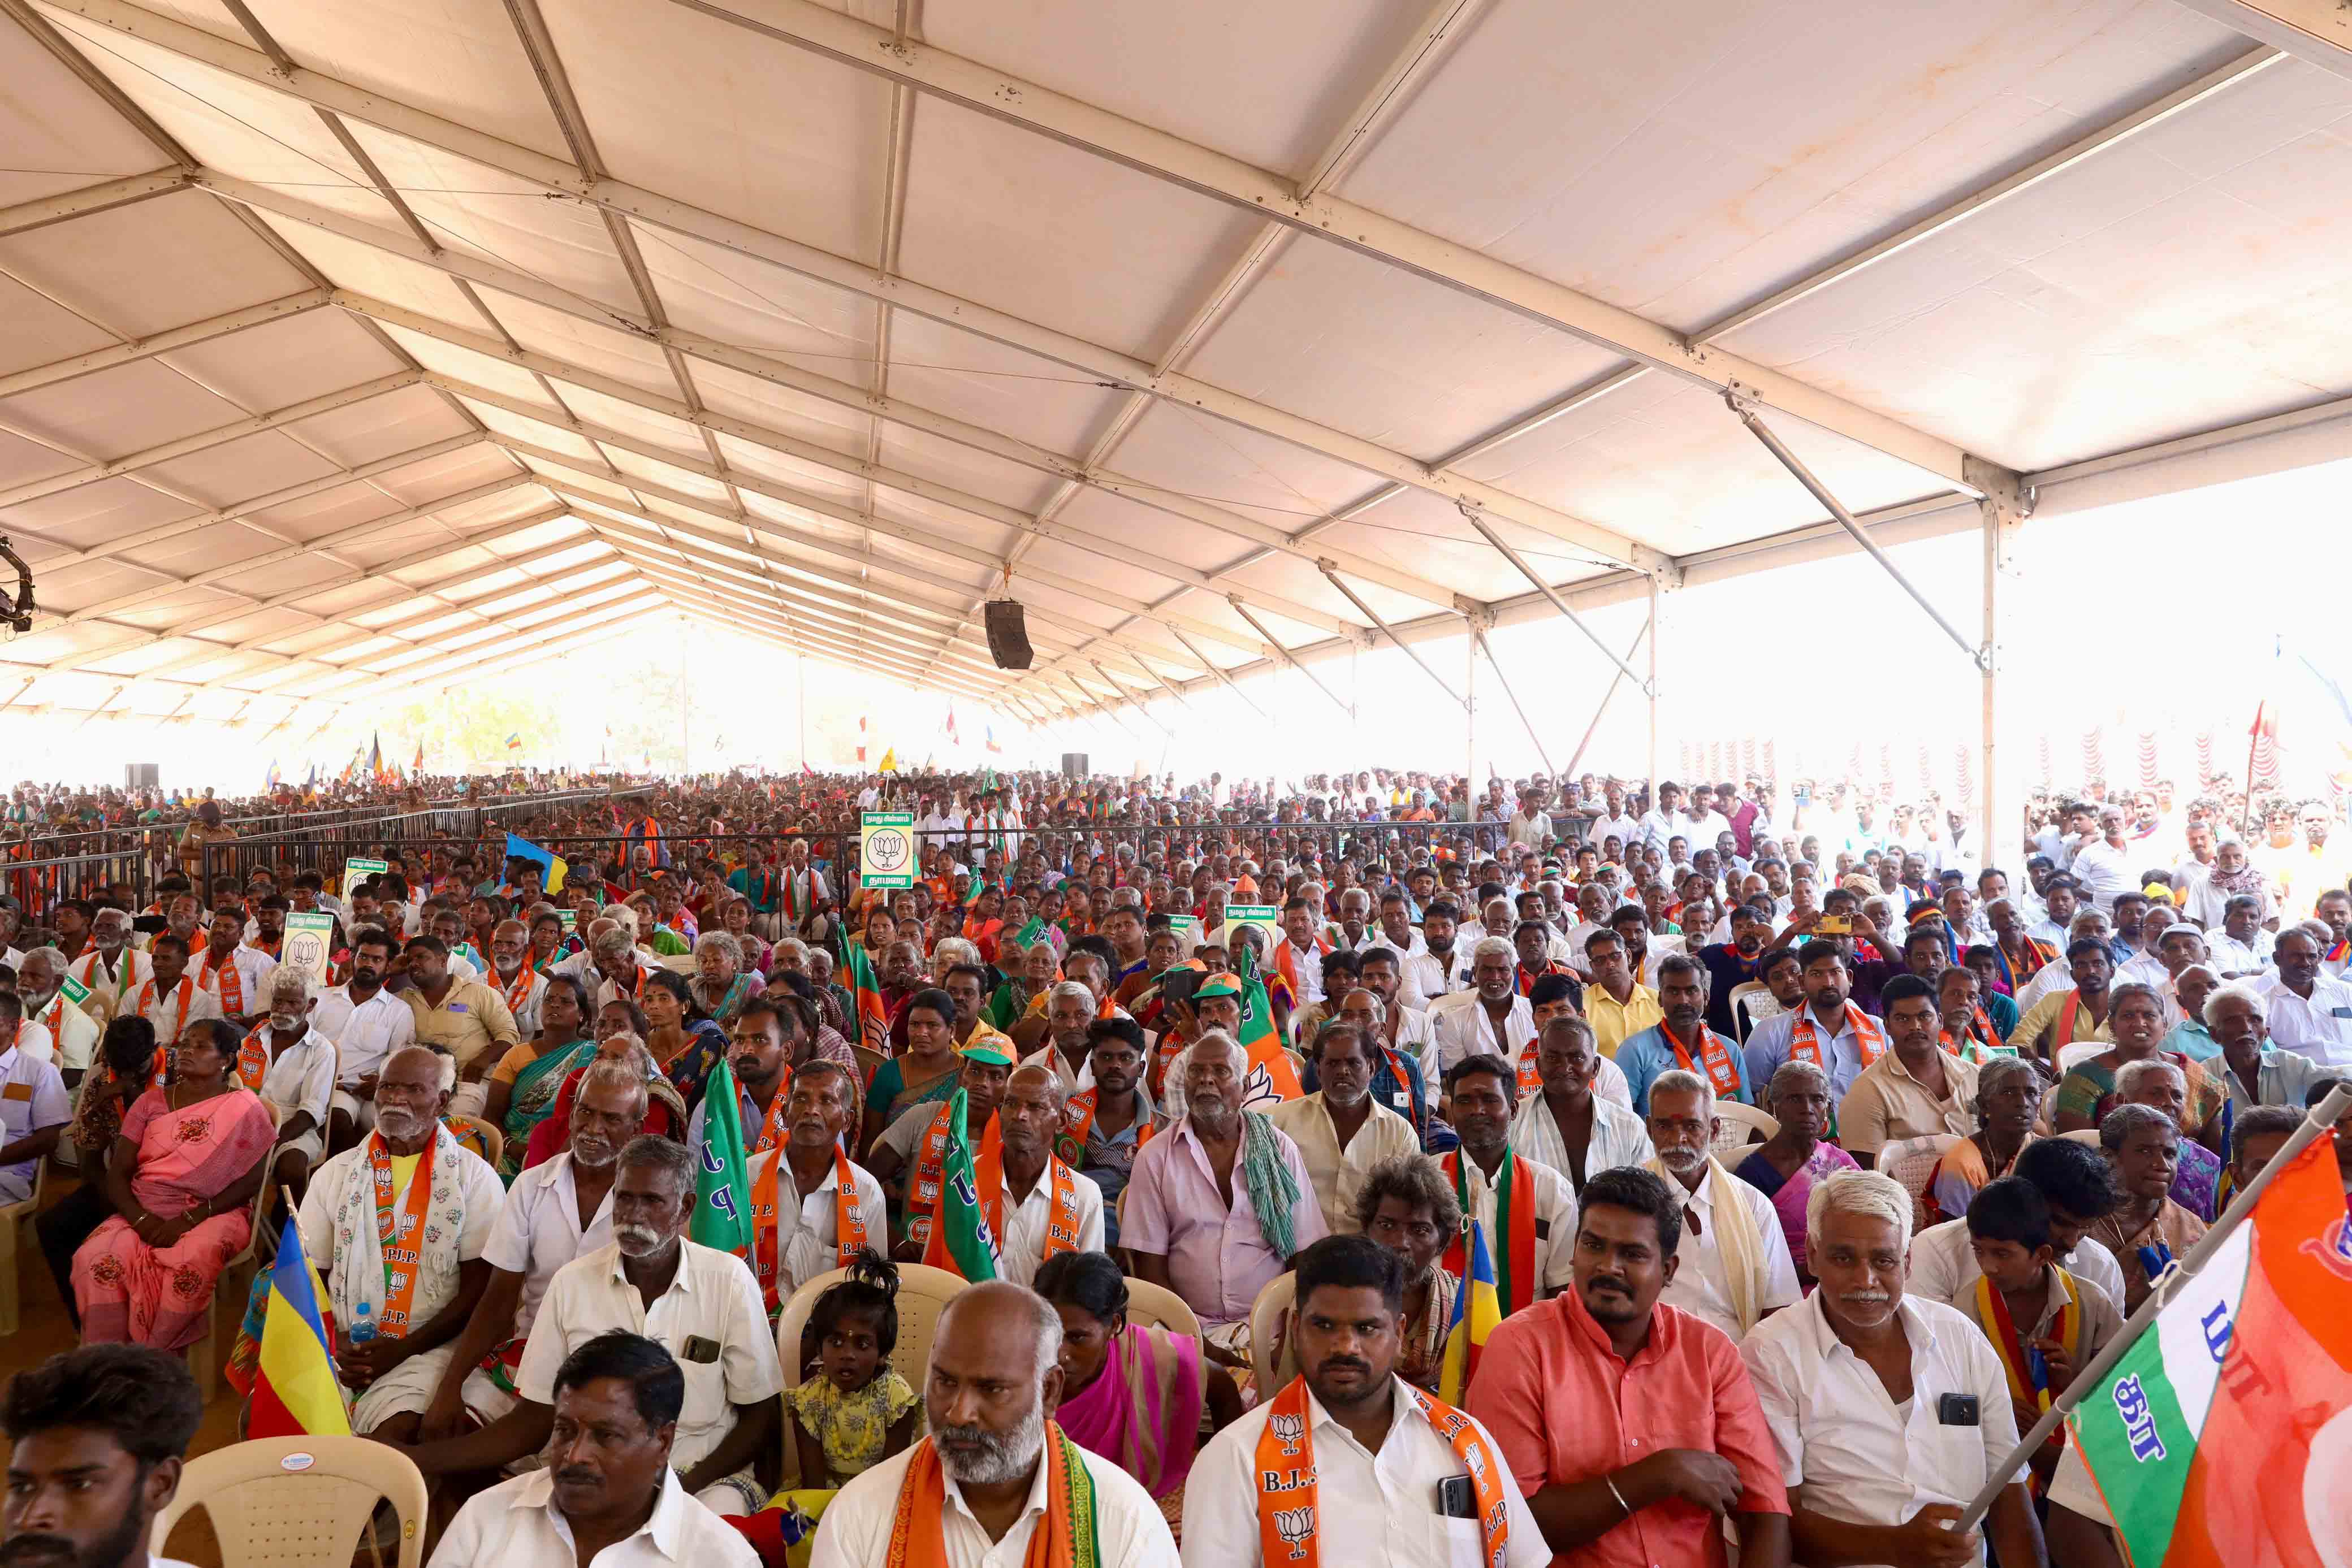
524, 1085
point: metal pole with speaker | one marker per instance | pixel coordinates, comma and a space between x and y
1073, 764
1008, 633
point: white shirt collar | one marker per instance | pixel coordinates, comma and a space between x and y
665, 1524
683, 1280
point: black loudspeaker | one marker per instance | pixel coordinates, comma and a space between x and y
1073, 764
141, 776
1008, 634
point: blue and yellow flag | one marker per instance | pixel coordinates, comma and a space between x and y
1476, 1311
552, 866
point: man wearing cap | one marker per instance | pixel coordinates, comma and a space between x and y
1216, 1006
915, 1143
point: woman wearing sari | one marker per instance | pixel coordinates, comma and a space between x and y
926, 1070
686, 1044
2008, 1095
1131, 1393
1785, 1166
665, 1111
720, 985
2136, 1015
524, 1085
181, 1178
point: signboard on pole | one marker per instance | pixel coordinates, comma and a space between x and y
1265, 915
310, 945
886, 849
357, 871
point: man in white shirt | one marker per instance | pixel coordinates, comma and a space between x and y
555, 1211
419, 1289
699, 1305
1735, 1268
1615, 822
2079, 1187
1493, 1019
1663, 820
1858, 1462
510, 974
608, 1494
367, 1024
111, 967
1048, 1207
978, 1487
34, 1106
50, 1007
808, 1220
1363, 1458
169, 997
97, 1439
233, 972
2310, 1012
290, 1064
1436, 971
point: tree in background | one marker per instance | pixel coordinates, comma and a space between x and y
468, 734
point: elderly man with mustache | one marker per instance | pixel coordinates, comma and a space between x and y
700, 1305
1882, 1445
436, 1200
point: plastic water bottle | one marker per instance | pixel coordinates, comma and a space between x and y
363, 1329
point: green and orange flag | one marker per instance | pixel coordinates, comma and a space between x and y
2223, 1438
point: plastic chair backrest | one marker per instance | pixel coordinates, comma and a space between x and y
494, 1140
869, 1063
923, 1294
1913, 1162
2083, 1135
1270, 1355
1761, 1005
297, 1502
1735, 1122
1160, 1307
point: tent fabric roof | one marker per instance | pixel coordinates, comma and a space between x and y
352, 348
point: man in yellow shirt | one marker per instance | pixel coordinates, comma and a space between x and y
1618, 1006
465, 1017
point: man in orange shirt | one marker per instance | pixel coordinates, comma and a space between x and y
1631, 1427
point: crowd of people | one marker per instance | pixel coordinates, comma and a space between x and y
1812, 1158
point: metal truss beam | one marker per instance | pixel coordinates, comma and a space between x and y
188, 336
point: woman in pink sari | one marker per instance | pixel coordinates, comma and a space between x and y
185, 1165
1131, 1393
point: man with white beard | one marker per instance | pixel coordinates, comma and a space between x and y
699, 1305
994, 1470
1889, 1412
1735, 1268
410, 1180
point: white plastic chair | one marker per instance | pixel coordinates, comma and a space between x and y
15, 1220
1735, 1123
298, 1502
1159, 1307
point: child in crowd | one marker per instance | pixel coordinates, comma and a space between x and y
856, 1411
2044, 1324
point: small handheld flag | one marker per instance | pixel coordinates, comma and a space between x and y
294, 1388
722, 1181
514, 743
960, 1238
1475, 1313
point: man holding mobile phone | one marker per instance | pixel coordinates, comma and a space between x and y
1883, 1446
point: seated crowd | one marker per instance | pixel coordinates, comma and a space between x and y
1801, 1185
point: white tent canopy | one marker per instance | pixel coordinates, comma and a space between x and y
350, 349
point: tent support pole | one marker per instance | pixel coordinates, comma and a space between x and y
1285, 654
1615, 682
1763, 432
1478, 635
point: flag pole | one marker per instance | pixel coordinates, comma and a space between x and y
2315, 1125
